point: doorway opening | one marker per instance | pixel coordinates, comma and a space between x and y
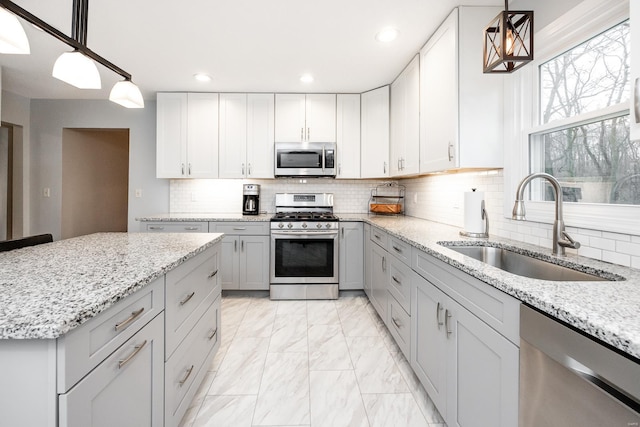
6, 181
95, 181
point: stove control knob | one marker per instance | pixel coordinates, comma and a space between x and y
328, 225
319, 225
281, 225
289, 225
304, 225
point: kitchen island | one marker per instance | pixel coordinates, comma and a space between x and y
107, 329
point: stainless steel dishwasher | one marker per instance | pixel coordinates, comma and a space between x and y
568, 379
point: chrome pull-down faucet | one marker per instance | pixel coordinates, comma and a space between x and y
561, 238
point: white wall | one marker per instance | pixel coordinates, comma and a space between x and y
49, 117
544, 11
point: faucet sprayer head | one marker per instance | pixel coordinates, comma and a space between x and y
518, 211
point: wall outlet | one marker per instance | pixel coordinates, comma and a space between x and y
138, 192
46, 192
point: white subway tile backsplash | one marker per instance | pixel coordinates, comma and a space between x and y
438, 198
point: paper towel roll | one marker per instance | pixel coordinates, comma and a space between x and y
473, 222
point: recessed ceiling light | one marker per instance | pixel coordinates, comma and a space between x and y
387, 35
306, 78
202, 77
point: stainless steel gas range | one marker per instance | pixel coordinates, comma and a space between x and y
304, 247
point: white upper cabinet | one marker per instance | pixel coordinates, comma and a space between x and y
375, 133
404, 149
246, 135
305, 118
461, 108
348, 136
187, 135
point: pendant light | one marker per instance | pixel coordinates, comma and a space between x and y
79, 66
127, 94
508, 41
12, 36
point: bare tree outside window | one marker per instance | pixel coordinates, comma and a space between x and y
596, 162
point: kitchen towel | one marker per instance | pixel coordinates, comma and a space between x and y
473, 222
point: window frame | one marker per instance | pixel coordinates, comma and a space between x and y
522, 122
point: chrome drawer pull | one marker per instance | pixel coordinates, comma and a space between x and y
192, 228
212, 274
439, 308
397, 249
136, 350
213, 333
239, 228
128, 320
155, 227
396, 322
186, 377
187, 298
396, 280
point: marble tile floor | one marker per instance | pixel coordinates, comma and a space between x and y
308, 363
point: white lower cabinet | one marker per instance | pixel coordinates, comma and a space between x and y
351, 255
125, 389
469, 369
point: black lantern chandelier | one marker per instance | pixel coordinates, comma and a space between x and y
508, 41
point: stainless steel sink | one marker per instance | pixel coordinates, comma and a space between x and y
523, 265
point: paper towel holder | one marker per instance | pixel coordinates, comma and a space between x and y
484, 215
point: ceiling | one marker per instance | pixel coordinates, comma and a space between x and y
245, 45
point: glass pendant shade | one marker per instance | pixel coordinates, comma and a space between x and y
77, 70
127, 94
508, 41
12, 36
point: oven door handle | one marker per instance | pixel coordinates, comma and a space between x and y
305, 234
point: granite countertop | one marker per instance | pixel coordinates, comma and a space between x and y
202, 217
49, 289
608, 311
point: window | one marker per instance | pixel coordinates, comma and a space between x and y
584, 138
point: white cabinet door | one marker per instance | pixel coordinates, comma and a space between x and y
405, 121
260, 135
124, 390
290, 117
375, 133
321, 118
439, 98
351, 255
233, 135
348, 136
254, 262
171, 135
428, 341
482, 372
379, 280
202, 135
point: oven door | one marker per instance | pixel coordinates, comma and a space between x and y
304, 257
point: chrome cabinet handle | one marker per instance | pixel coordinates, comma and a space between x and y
384, 263
396, 280
384, 167
239, 228
339, 168
301, 134
192, 228
187, 298
397, 249
376, 236
243, 169
241, 245
186, 377
342, 232
399, 164
182, 168
212, 274
308, 133
396, 322
249, 169
212, 334
189, 168
439, 308
156, 227
136, 350
323, 157
449, 152
447, 316
235, 246
128, 320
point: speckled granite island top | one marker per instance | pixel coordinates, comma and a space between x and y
47, 290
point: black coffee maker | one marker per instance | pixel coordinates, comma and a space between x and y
250, 199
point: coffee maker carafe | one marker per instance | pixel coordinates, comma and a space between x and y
250, 199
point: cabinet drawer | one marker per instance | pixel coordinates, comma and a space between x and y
190, 289
400, 250
497, 309
400, 326
85, 347
400, 283
241, 228
380, 237
187, 366
176, 227
125, 389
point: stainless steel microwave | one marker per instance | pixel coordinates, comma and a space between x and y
305, 159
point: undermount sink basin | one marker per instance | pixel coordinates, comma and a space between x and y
523, 265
